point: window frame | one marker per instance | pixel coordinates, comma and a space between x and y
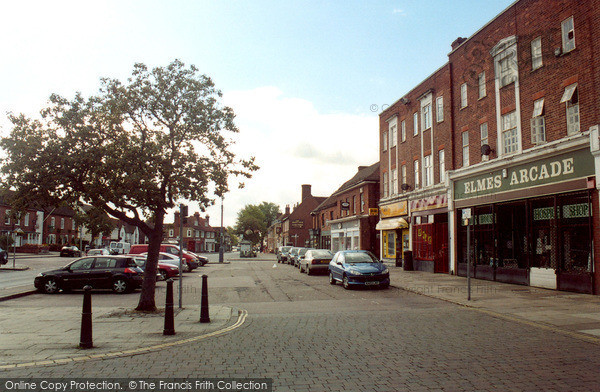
428, 170
482, 85
514, 133
465, 149
416, 123
416, 170
439, 109
485, 139
464, 99
568, 44
403, 130
537, 60
442, 165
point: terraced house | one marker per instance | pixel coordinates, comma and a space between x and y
520, 108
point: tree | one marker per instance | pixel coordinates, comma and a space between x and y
134, 150
95, 220
253, 221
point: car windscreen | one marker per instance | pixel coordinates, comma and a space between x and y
353, 258
321, 254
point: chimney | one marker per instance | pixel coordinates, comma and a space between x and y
306, 191
457, 42
287, 209
207, 220
362, 168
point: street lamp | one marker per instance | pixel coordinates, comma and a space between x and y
221, 240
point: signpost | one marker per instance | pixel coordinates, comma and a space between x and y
467, 217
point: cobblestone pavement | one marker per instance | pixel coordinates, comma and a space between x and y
309, 336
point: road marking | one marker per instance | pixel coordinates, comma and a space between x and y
127, 353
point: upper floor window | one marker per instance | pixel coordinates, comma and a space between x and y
27, 219
568, 34
505, 61
53, 222
483, 131
393, 132
171, 233
442, 163
465, 148
7, 217
463, 95
362, 201
394, 179
415, 123
416, 167
482, 87
385, 141
439, 109
403, 170
62, 223
426, 116
538, 123
403, 130
510, 135
571, 98
428, 167
536, 53
385, 184
189, 233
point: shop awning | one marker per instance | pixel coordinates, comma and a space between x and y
391, 224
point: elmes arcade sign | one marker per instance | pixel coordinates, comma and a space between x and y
563, 167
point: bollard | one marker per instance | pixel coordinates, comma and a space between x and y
169, 318
204, 317
85, 339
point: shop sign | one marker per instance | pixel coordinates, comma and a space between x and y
345, 205
297, 224
543, 213
429, 203
395, 209
562, 167
373, 211
576, 210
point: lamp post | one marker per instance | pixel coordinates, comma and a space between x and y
221, 239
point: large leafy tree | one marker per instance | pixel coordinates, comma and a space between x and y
253, 221
134, 150
95, 220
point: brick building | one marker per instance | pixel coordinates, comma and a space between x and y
295, 227
521, 110
347, 218
198, 235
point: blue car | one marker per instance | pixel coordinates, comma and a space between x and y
354, 268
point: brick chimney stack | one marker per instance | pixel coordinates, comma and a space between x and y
306, 192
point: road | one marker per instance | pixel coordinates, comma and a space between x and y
310, 336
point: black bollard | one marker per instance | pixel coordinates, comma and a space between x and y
169, 318
85, 339
204, 317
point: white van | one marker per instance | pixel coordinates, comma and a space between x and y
119, 248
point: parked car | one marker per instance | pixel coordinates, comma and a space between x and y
119, 248
165, 270
358, 268
164, 257
315, 260
3, 256
291, 259
283, 253
300, 256
173, 249
119, 273
70, 251
98, 252
202, 261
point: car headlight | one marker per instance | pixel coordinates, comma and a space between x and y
354, 272
385, 271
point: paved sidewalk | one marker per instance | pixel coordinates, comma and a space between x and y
574, 314
43, 336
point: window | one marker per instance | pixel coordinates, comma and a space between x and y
171, 233
385, 184
442, 163
62, 223
53, 222
426, 116
439, 107
416, 166
27, 219
510, 140
538, 123
465, 148
482, 92
403, 169
507, 72
393, 132
362, 202
7, 217
463, 95
189, 233
428, 175
505, 61
536, 53
568, 35
403, 130
385, 141
415, 123
571, 98
394, 179
483, 130
353, 204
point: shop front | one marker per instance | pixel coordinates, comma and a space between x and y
394, 230
429, 217
532, 223
345, 234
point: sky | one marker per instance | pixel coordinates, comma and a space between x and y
306, 79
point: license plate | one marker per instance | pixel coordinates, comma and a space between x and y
371, 283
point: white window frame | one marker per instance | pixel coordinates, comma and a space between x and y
428, 170
439, 107
7, 217
171, 233
403, 173
385, 141
385, 184
538, 123
571, 99
464, 101
484, 136
465, 148
189, 233
394, 185
53, 222
403, 130
62, 223
416, 167
536, 54
442, 165
482, 85
415, 123
509, 133
393, 132
26, 220
426, 116
567, 28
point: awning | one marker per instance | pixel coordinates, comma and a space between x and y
391, 224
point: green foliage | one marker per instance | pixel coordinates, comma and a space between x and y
133, 150
95, 220
6, 241
253, 221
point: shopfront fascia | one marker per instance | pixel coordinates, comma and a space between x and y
429, 217
394, 228
532, 222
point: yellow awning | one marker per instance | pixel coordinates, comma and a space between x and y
392, 224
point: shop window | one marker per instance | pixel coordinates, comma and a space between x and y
544, 233
574, 233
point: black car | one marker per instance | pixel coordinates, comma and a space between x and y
119, 273
3, 257
70, 251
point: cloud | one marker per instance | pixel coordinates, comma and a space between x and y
295, 144
399, 12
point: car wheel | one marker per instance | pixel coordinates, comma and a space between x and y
163, 274
331, 279
50, 286
120, 286
307, 270
345, 283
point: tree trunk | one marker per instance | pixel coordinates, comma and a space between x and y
147, 302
